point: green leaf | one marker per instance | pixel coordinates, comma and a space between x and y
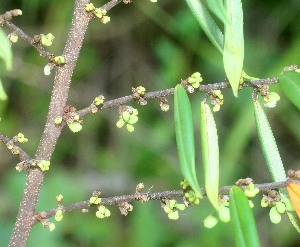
268, 144
244, 226
290, 84
210, 154
207, 23
3, 95
272, 155
217, 7
233, 56
185, 136
5, 50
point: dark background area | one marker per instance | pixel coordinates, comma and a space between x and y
153, 45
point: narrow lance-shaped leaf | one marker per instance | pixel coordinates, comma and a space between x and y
207, 23
290, 84
5, 50
242, 218
210, 154
217, 7
233, 55
271, 154
185, 136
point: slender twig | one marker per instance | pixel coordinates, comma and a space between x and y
168, 92
144, 197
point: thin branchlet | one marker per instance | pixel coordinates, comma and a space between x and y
150, 197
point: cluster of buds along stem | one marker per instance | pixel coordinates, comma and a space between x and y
13, 38
71, 118
277, 204
270, 98
190, 196
97, 12
139, 95
217, 99
164, 105
193, 82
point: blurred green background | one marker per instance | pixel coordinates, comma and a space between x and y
154, 45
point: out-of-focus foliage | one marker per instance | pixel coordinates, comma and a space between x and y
153, 45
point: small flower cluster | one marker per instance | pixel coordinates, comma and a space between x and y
278, 205
138, 94
195, 79
59, 60
59, 215
44, 165
249, 189
11, 144
163, 103
128, 117
270, 98
171, 207
13, 38
102, 212
190, 196
21, 138
71, 118
98, 101
97, 12
46, 40
217, 99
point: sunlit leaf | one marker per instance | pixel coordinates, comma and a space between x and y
5, 50
185, 136
3, 95
217, 7
210, 154
233, 56
290, 84
207, 23
242, 218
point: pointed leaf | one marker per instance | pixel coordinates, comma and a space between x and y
290, 84
207, 23
233, 56
271, 154
185, 136
5, 50
242, 218
210, 154
217, 7
268, 144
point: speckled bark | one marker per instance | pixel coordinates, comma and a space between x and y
51, 132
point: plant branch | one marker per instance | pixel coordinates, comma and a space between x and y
23, 156
144, 197
51, 132
168, 92
43, 52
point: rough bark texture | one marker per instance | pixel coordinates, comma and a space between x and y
51, 132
